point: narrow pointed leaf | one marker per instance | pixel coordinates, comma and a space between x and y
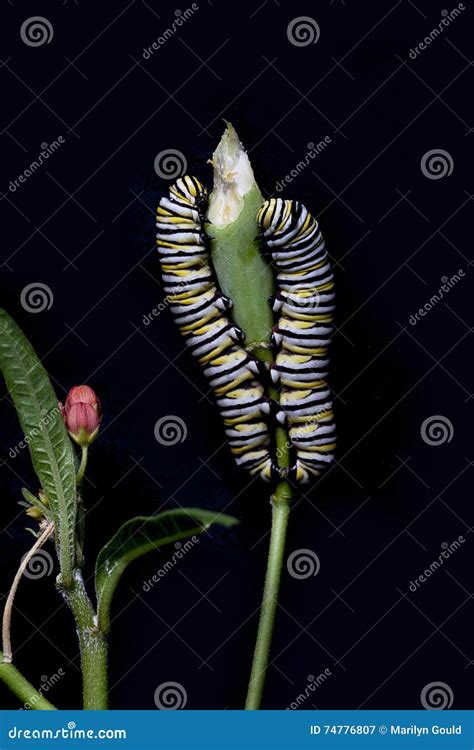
42, 423
141, 535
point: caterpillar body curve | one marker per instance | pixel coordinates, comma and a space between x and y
304, 304
200, 311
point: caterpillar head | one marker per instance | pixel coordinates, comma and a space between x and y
273, 214
192, 191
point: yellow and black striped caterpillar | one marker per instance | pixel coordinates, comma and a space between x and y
200, 312
305, 304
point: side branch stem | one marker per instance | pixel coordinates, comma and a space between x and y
7, 612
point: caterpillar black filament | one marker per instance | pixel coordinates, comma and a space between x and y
199, 309
305, 303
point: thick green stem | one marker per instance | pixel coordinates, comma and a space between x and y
92, 640
92, 643
245, 276
23, 689
280, 514
280, 501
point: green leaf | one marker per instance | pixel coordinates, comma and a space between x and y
43, 425
141, 535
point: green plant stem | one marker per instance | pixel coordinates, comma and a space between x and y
280, 501
80, 529
92, 643
245, 276
82, 466
280, 515
92, 640
23, 689
81, 512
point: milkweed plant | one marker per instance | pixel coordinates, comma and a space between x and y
58, 512
251, 289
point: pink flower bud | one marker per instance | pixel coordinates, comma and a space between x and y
82, 414
82, 394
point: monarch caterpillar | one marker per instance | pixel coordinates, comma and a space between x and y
199, 309
305, 303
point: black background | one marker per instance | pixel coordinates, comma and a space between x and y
83, 225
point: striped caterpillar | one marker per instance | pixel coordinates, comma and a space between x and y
305, 304
200, 312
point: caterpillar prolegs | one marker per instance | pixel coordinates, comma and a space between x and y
305, 304
304, 301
